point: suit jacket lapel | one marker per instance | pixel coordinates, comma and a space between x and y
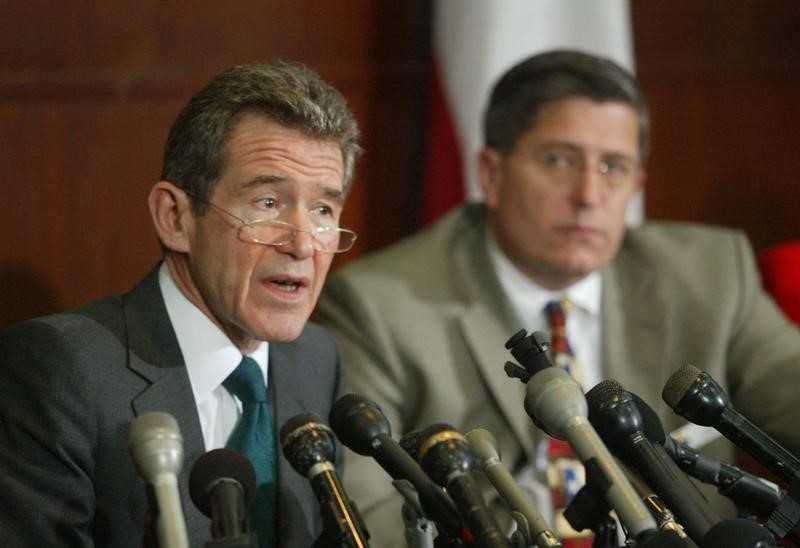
297, 505
283, 388
486, 325
154, 353
485, 341
634, 310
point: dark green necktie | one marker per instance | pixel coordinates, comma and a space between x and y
253, 437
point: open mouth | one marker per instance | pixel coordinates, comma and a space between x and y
287, 286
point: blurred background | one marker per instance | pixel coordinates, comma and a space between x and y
88, 90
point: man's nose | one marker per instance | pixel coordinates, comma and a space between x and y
302, 245
589, 185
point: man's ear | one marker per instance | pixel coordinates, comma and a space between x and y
172, 215
490, 175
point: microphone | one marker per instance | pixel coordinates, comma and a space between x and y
156, 446
484, 449
616, 417
555, 403
360, 425
222, 484
753, 495
445, 455
309, 446
696, 396
665, 519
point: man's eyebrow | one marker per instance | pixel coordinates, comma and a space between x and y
265, 180
560, 144
620, 156
333, 193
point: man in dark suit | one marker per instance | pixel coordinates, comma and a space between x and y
422, 324
256, 170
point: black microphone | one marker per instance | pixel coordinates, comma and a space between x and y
616, 417
664, 516
484, 449
222, 484
753, 496
156, 445
445, 455
556, 404
696, 396
310, 448
360, 424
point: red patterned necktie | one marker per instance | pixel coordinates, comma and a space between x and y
565, 474
560, 350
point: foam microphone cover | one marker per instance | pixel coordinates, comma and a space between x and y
217, 465
693, 394
306, 441
412, 441
357, 421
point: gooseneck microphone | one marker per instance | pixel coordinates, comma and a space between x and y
445, 455
753, 496
484, 448
616, 418
360, 425
222, 484
309, 446
556, 404
696, 396
156, 445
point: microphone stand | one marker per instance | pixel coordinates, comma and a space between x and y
784, 521
336, 534
589, 509
418, 531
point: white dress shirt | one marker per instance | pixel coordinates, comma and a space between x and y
210, 357
528, 301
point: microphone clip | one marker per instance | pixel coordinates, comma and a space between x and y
515, 371
530, 351
785, 519
589, 509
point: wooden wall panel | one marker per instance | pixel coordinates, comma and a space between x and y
723, 79
88, 90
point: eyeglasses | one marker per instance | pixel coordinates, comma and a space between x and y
276, 233
566, 165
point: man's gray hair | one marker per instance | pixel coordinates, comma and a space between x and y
290, 94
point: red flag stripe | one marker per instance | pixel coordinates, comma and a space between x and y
443, 185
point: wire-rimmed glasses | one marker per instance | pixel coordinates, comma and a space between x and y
273, 232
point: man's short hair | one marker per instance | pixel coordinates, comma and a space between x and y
290, 94
520, 93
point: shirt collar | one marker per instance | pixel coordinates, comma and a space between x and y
528, 298
209, 354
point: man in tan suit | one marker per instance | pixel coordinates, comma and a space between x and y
422, 324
